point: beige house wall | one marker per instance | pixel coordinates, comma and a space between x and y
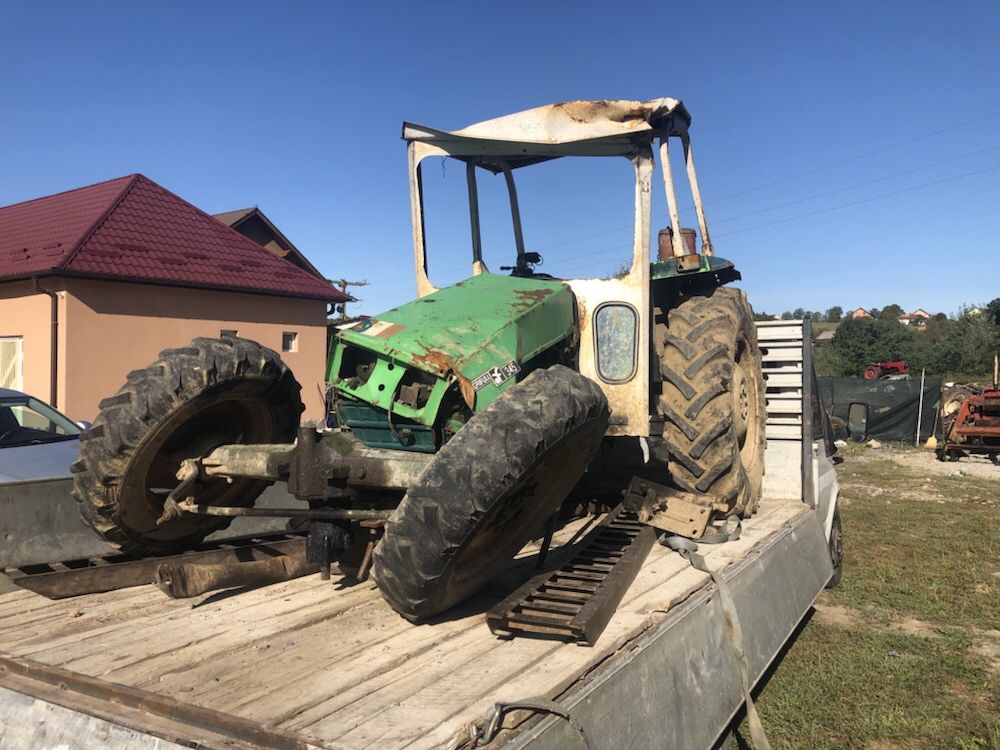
108, 328
26, 312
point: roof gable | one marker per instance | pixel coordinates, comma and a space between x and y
254, 223
131, 228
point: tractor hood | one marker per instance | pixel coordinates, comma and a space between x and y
480, 332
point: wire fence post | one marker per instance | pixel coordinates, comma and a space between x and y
920, 408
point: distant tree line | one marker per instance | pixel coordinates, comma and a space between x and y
960, 347
835, 314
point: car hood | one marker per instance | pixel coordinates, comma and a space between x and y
44, 461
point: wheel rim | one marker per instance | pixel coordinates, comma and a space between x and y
836, 546
746, 401
192, 432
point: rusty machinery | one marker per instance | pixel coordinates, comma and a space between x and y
974, 427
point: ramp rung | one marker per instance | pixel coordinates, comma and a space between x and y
783, 432
784, 419
779, 334
783, 379
783, 368
784, 405
781, 353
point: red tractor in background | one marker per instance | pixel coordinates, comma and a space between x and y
887, 371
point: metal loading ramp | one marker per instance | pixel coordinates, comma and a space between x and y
787, 391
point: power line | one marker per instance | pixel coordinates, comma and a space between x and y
856, 185
807, 173
863, 200
865, 155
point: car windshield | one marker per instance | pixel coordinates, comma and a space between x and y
27, 421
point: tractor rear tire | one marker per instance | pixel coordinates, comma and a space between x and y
488, 490
190, 401
712, 398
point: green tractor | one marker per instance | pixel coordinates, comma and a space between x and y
461, 422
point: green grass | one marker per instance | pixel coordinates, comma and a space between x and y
843, 688
922, 581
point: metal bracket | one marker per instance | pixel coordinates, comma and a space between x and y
188, 474
669, 509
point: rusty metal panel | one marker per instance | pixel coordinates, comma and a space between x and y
59, 580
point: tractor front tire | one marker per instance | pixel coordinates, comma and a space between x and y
712, 397
488, 490
187, 403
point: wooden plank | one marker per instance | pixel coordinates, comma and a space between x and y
665, 581
340, 664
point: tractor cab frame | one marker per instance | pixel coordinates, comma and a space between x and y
613, 314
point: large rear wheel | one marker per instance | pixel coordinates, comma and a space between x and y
712, 397
187, 403
488, 490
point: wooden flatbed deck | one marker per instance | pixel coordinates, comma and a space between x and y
335, 665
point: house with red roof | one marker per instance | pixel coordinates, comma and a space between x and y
96, 281
918, 317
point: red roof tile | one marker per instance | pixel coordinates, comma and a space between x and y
131, 228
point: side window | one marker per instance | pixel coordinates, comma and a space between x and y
616, 333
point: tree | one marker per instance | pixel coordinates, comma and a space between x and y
835, 314
890, 312
992, 310
861, 341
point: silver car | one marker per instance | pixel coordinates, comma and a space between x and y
36, 441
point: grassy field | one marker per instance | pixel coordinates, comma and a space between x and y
906, 652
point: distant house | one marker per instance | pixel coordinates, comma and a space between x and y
253, 224
860, 313
95, 281
918, 317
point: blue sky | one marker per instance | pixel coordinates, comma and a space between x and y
849, 152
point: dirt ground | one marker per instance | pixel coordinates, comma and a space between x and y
923, 461
905, 653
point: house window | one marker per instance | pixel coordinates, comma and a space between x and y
11, 362
289, 341
227, 334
